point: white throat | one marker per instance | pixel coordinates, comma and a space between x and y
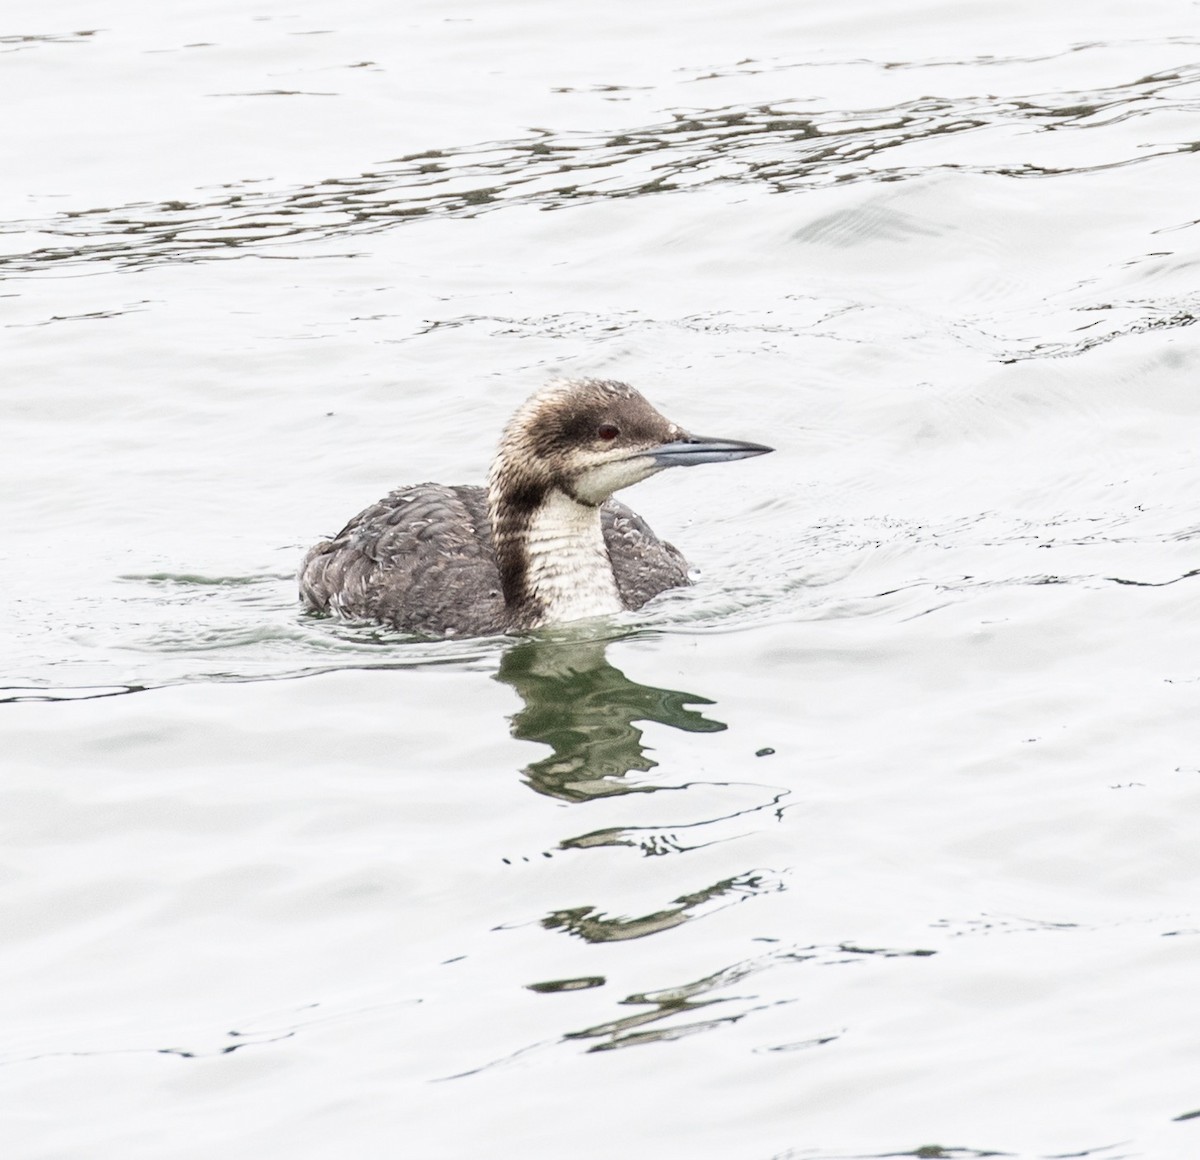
569, 571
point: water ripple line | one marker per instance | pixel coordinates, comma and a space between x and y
783, 145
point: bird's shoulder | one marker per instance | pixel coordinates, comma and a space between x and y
642, 564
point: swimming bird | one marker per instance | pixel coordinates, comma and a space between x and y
543, 543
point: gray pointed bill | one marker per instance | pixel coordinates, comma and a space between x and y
693, 449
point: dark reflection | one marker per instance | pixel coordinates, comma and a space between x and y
589, 924
661, 1011
585, 710
783, 146
558, 986
18, 693
625, 1032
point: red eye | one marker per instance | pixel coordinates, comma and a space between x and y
608, 432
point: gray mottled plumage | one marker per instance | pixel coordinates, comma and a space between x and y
422, 559
542, 543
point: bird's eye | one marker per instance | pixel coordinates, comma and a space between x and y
608, 432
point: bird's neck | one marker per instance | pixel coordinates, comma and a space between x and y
553, 562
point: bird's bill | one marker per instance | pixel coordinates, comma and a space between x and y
697, 449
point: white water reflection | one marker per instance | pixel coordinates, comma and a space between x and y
874, 842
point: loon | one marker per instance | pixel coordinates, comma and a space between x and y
543, 543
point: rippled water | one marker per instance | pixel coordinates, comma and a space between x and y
877, 841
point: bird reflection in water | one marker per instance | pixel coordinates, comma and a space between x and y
585, 710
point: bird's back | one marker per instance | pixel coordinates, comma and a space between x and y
422, 560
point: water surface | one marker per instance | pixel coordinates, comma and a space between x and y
877, 839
